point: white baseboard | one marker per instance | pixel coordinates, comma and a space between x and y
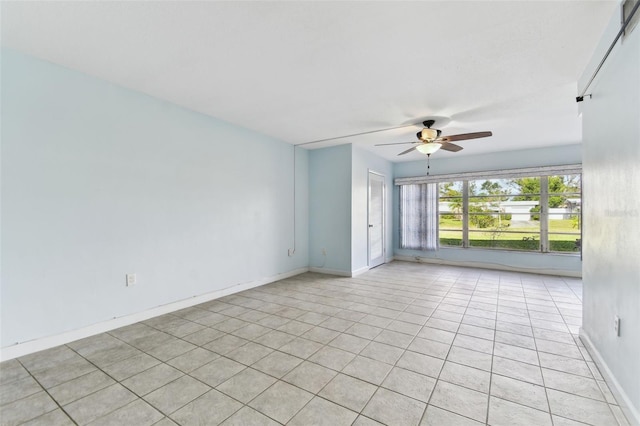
351, 274
330, 272
486, 265
621, 396
31, 346
359, 271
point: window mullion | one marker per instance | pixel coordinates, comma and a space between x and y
544, 214
437, 216
465, 213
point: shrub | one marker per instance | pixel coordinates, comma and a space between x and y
481, 220
535, 212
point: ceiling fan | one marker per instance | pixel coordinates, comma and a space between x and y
430, 140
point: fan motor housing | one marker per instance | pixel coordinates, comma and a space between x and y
419, 134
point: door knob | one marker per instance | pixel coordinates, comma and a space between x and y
370, 226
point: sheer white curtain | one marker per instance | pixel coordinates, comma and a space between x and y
419, 216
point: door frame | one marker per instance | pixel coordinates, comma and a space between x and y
384, 217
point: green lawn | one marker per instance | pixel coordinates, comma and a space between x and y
519, 238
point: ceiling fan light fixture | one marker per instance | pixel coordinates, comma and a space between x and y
428, 134
428, 148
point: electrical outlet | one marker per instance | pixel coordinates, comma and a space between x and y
616, 325
131, 280
324, 251
291, 252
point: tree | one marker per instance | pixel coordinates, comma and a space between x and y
526, 186
447, 189
530, 189
481, 217
490, 187
484, 203
557, 186
453, 196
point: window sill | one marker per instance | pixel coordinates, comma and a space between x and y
501, 250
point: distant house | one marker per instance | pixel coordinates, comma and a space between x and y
521, 210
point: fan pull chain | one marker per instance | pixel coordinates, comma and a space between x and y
428, 165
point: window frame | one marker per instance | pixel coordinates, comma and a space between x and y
542, 173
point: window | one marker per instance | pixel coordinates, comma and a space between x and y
502, 213
450, 209
564, 217
509, 210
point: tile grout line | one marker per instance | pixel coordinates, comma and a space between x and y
359, 413
377, 386
450, 346
392, 365
47, 392
303, 360
442, 286
141, 397
535, 343
316, 394
215, 387
493, 349
138, 397
581, 354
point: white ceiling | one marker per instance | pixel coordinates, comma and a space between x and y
304, 71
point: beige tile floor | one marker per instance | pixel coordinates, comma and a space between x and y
404, 344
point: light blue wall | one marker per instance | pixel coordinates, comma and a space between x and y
330, 208
363, 162
534, 262
99, 181
338, 210
611, 150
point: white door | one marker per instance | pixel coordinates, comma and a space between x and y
376, 219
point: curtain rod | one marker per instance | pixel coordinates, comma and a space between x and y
567, 169
606, 55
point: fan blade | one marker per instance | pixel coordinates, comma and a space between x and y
395, 143
466, 136
451, 147
407, 151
